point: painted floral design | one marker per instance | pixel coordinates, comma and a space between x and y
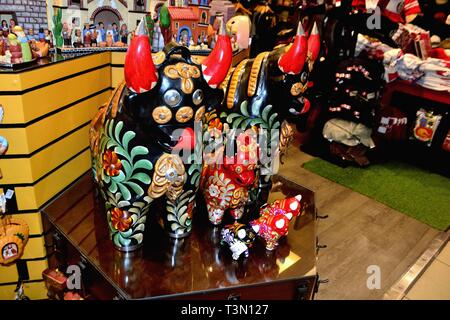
120, 219
111, 163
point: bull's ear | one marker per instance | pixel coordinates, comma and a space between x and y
314, 43
140, 72
216, 65
292, 62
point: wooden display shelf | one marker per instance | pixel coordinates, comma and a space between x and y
195, 267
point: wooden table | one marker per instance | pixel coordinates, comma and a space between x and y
195, 267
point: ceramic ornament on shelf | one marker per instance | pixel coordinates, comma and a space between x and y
265, 95
239, 238
225, 185
274, 219
239, 28
139, 136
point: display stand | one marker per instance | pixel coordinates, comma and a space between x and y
195, 267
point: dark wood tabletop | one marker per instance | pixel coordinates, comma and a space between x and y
166, 267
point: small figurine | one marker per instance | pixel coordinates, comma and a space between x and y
48, 37
239, 238
15, 49
78, 39
225, 186
66, 34
109, 40
274, 219
23, 40
40, 48
87, 39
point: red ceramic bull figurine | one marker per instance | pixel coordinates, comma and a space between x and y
274, 219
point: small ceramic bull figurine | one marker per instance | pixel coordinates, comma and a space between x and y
239, 238
138, 137
274, 219
225, 185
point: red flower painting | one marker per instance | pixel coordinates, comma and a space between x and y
111, 163
120, 219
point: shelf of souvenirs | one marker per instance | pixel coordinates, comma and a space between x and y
52, 58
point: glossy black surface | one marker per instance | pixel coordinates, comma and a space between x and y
196, 265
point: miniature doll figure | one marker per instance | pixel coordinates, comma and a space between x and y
48, 37
124, 33
23, 40
94, 36
5, 28
12, 24
109, 40
115, 32
101, 32
30, 35
77, 39
66, 34
85, 29
87, 39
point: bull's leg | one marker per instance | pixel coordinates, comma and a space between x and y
215, 215
237, 213
178, 221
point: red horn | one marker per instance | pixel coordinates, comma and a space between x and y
292, 61
215, 67
140, 72
314, 43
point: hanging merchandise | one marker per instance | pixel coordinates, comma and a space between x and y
446, 143
426, 124
13, 238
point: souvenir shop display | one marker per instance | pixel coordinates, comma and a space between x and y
148, 116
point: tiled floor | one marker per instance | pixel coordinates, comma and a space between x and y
434, 284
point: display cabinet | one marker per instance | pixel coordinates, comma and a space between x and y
196, 267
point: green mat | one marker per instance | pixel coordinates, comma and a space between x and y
418, 193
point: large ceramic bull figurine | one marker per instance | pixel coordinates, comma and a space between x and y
264, 94
137, 139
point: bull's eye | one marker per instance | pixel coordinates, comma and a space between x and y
172, 97
197, 97
238, 170
303, 77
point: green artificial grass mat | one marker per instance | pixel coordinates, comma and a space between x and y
411, 190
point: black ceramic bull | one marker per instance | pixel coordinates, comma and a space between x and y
137, 139
263, 93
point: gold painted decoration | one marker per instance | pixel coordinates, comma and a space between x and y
185, 72
235, 79
224, 84
254, 73
158, 57
287, 134
162, 114
239, 197
298, 88
187, 86
200, 113
184, 114
168, 178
